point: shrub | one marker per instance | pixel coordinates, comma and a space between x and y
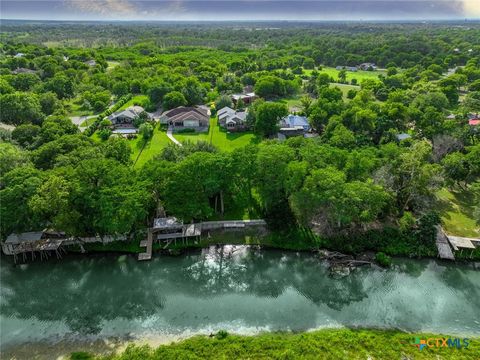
222, 334
383, 260
186, 131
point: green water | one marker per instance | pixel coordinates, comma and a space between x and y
234, 288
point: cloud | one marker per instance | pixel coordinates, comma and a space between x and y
108, 8
471, 8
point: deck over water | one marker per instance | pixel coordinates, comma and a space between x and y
444, 250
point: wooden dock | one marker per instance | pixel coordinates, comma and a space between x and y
148, 244
443, 246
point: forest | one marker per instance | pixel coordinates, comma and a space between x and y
394, 146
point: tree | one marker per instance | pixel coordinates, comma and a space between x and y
49, 103
26, 135
25, 82
60, 85
223, 101
173, 99
146, 131
455, 167
193, 91
267, 117
55, 127
18, 187
342, 76
11, 157
19, 108
117, 149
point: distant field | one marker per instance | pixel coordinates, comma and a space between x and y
456, 209
359, 75
219, 137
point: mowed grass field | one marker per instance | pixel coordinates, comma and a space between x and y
456, 209
141, 100
224, 141
219, 137
359, 75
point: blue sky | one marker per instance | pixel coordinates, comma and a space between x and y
239, 9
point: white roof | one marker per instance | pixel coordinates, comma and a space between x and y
125, 131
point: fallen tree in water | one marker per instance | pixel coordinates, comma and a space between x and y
341, 264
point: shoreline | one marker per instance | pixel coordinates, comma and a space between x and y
327, 340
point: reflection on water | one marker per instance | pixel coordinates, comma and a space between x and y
237, 288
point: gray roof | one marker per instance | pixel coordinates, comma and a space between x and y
231, 115
403, 136
166, 223
131, 113
31, 236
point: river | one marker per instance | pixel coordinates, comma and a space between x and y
85, 300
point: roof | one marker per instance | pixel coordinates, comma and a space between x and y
131, 112
243, 96
166, 223
461, 242
125, 131
185, 112
225, 110
403, 136
31, 236
294, 121
451, 117
474, 122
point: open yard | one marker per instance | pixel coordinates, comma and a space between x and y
219, 137
141, 152
359, 75
456, 209
141, 100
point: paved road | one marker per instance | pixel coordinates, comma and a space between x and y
78, 120
170, 136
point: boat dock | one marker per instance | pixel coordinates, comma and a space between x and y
444, 250
446, 243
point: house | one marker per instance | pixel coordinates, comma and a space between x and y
19, 55
232, 120
247, 98
292, 125
367, 66
187, 117
23, 71
403, 136
451, 117
91, 62
124, 118
349, 68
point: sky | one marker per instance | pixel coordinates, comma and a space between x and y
208, 10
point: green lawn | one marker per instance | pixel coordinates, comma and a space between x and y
141, 100
75, 107
219, 137
359, 75
141, 152
456, 209
345, 88
88, 122
293, 103
112, 64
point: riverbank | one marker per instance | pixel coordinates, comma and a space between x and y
389, 241
324, 344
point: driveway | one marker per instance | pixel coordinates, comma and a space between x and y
170, 136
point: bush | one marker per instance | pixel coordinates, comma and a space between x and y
186, 131
222, 334
81, 355
383, 260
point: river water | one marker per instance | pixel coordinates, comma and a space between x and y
235, 288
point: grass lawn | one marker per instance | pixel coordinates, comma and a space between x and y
141, 100
141, 154
359, 75
112, 64
345, 88
456, 209
327, 344
293, 103
88, 122
75, 107
219, 137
